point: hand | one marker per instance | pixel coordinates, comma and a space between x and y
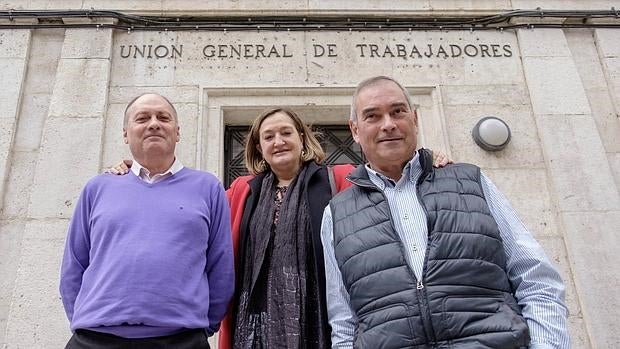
120, 169
440, 159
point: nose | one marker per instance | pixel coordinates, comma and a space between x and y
278, 140
153, 122
387, 123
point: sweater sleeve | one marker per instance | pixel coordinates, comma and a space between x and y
76, 256
219, 269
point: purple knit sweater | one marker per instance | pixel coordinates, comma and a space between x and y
144, 260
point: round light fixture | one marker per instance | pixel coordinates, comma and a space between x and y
491, 133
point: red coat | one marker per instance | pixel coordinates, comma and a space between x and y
237, 197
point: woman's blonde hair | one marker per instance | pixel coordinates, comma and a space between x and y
311, 149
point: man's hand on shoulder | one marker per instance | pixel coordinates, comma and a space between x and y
440, 159
119, 169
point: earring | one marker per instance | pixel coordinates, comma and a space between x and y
263, 164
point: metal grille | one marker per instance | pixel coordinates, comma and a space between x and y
336, 140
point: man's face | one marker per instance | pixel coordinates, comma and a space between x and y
386, 126
152, 128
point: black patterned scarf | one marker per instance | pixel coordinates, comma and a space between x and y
278, 303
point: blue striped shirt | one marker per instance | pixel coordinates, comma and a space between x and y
538, 286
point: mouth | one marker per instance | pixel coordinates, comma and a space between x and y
280, 152
391, 139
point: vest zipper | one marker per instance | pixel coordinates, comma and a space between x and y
422, 295
420, 288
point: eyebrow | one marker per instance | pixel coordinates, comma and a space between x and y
400, 104
369, 110
287, 127
149, 111
393, 105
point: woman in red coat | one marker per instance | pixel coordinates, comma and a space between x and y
280, 297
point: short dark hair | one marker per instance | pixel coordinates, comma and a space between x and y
126, 117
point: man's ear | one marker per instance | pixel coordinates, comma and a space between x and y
178, 133
353, 127
125, 136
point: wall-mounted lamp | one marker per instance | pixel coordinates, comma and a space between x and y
491, 133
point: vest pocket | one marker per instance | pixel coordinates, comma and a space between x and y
382, 316
387, 326
470, 315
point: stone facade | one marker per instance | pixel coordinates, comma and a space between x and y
64, 92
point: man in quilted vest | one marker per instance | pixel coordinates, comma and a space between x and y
423, 257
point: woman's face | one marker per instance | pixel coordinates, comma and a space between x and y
280, 143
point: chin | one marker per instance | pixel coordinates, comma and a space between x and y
391, 157
282, 163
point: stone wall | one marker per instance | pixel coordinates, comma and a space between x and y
64, 92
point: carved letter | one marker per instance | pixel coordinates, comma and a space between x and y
208, 51
247, 50
374, 50
507, 50
401, 51
319, 50
284, 53
274, 51
469, 52
331, 50
161, 51
260, 50
429, 53
177, 53
484, 49
123, 50
235, 51
415, 51
387, 51
361, 47
452, 50
442, 51
221, 51
138, 52
495, 49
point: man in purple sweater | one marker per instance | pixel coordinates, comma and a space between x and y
148, 260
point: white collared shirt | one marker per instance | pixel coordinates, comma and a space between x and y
407, 212
144, 174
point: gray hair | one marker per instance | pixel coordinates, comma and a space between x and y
371, 81
126, 117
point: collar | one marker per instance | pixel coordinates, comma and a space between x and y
144, 174
411, 172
